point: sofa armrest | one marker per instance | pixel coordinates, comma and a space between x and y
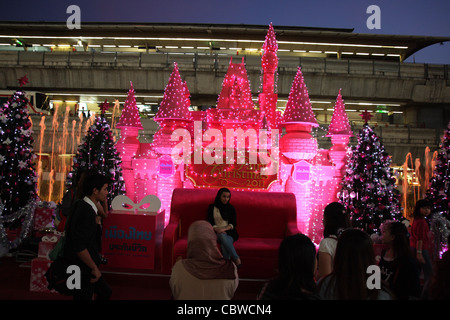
291, 228
169, 238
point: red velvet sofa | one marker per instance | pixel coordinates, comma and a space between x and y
263, 220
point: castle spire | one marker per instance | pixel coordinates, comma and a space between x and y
173, 105
298, 107
236, 80
339, 124
269, 63
270, 44
130, 117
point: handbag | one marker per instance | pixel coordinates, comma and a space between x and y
57, 276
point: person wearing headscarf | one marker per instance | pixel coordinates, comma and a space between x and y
222, 216
205, 274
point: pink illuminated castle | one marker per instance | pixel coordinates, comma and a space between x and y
237, 145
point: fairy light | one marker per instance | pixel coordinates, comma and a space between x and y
174, 104
269, 62
340, 132
298, 107
339, 124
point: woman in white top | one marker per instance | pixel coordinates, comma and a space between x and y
222, 216
335, 220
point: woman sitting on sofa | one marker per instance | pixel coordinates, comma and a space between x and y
222, 216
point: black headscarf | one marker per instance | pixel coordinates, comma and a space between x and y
227, 211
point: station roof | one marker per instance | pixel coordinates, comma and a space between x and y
209, 38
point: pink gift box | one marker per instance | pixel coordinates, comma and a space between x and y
48, 242
42, 217
39, 267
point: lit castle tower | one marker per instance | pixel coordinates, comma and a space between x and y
173, 113
268, 98
299, 147
128, 144
340, 132
235, 108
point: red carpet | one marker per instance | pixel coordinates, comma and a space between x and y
15, 285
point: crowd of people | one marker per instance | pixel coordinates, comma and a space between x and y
337, 270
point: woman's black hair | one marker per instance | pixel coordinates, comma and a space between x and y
217, 202
420, 204
335, 219
296, 262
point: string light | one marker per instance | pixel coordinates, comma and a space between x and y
339, 124
298, 107
17, 174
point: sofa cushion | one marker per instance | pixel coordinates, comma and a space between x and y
248, 247
258, 247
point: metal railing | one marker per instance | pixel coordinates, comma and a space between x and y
219, 63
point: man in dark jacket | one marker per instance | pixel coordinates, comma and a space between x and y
82, 246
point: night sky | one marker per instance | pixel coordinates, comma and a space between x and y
398, 17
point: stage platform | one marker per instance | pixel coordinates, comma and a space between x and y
125, 284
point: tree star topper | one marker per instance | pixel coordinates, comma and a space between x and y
23, 81
104, 106
366, 115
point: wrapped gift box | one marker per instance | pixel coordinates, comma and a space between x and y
132, 236
39, 267
42, 217
48, 242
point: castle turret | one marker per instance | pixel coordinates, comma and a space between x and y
340, 132
128, 144
173, 114
299, 147
235, 108
298, 119
269, 61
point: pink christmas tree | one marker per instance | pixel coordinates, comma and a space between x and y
339, 124
298, 107
130, 117
174, 104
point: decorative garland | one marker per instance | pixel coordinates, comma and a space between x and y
440, 226
28, 212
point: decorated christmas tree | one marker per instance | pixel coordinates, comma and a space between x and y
98, 152
368, 188
438, 196
17, 173
18, 194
